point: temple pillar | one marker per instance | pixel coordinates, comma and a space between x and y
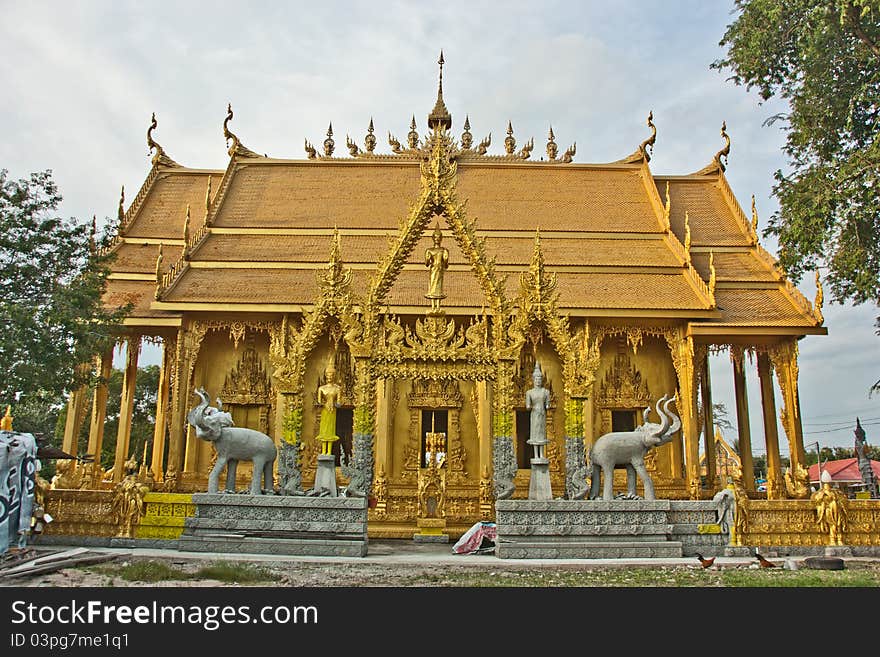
188, 342
681, 348
126, 405
589, 420
742, 419
771, 436
384, 422
160, 430
784, 360
708, 419
99, 414
484, 425
76, 407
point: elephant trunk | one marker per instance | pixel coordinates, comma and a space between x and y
664, 420
196, 416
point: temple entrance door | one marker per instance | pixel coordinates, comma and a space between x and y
433, 421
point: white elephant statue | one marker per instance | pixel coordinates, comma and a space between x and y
629, 448
233, 444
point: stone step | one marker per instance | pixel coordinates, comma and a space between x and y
282, 546
659, 532
267, 525
587, 549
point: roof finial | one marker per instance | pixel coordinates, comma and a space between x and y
552, 149
820, 298
159, 259
329, 144
370, 139
467, 139
237, 146
643, 147
724, 152
160, 157
667, 209
509, 141
186, 228
120, 213
440, 116
412, 137
712, 275
208, 200
754, 219
687, 234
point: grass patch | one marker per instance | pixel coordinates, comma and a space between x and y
148, 571
238, 573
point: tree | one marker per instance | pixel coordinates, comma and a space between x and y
823, 58
51, 314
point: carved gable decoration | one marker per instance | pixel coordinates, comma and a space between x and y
247, 383
428, 393
623, 386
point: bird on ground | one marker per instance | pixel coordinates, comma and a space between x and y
706, 563
765, 563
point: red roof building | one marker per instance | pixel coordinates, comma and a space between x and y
843, 471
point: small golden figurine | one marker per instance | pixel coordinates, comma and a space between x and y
328, 395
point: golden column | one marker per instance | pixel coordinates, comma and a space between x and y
708, 418
126, 405
99, 414
681, 347
162, 409
771, 435
484, 425
742, 418
784, 359
76, 407
384, 424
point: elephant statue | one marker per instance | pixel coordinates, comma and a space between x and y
18, 468
629, 448
233, 444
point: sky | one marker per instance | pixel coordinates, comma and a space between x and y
81, 79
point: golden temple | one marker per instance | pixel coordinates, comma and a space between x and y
618, 281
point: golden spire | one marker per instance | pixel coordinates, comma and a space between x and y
6, 420
712, 276
329, 144
820, 298
440, 116
687, 233
467, 139
186, 228
412, 137
643, 147
552, 149
509, 141
724, 152
160, 157
370, 139
667, 209
754, 219
120, 212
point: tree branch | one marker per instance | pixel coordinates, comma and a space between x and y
854, 19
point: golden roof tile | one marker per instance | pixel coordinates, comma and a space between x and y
140, 293
733, 267
162, 210
711, 221
141, 258
751, 307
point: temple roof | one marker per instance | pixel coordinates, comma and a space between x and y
259, 242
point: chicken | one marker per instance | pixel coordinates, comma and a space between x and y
706, 563
765, 563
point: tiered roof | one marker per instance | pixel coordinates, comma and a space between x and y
613, 234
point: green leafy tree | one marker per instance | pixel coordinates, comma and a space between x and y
52, 280
823, 58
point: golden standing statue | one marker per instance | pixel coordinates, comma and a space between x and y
830, 510
437, 260
328, 395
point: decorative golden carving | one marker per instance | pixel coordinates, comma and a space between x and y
797, 482
432, 479
486, 495
329, 144
237, 147
380, 492
161, 157
754, 224
820, 298
687, 235
552, 148
724, 152
649, 142
622, 389
248, 382
128, 501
